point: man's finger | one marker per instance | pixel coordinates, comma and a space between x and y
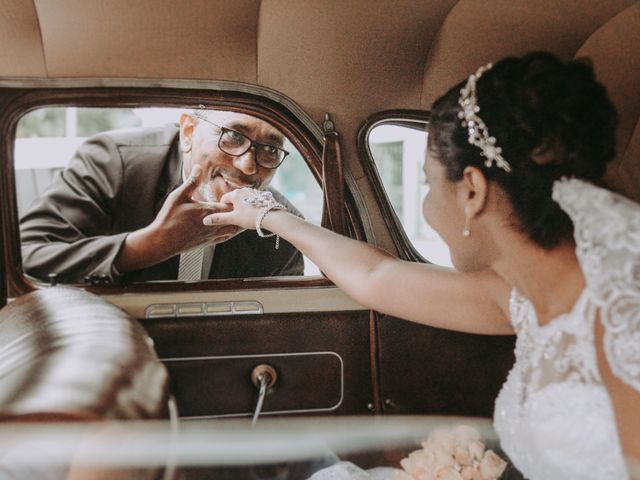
229, 197
193, 181
216, 219
215, 207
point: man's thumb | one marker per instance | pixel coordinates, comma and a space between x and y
196, 171
194, 179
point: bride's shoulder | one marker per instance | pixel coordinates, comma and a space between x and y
606, 224
607, 236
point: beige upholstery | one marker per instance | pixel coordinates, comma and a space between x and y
607, 32
350, 58
615, 50
212, 39
20, 39
474, 34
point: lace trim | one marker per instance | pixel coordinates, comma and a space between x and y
562, 350
553, 415
607, 235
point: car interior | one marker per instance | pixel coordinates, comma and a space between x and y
349, 84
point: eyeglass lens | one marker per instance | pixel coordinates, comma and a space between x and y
235, 143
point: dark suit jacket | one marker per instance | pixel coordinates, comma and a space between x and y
115, 184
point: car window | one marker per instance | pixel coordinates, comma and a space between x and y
48, 138
399, 152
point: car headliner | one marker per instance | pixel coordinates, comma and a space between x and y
350, 58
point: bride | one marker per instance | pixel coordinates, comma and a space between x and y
541, 248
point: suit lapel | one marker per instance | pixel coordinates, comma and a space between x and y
172, 177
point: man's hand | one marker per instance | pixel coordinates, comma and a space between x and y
179, 221
177, 227
235, 211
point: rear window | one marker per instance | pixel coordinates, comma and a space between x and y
398, 150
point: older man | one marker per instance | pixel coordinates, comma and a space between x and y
129, 206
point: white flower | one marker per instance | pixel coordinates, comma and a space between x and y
471, 473
476, 449
491, 465
448, 473
455, 454
462, 455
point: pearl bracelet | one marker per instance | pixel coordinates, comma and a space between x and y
265, 201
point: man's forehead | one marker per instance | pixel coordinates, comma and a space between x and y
244, 122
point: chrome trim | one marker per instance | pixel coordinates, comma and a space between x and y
266, 355
208, 309
298, 300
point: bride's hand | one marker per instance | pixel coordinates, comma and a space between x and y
243, 214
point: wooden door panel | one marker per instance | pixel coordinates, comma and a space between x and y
425, 370
322, 359
305, 383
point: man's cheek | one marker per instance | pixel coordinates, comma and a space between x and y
265, 179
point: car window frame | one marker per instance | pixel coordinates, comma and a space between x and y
399, 117
19, 97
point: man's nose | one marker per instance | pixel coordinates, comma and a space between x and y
246, 162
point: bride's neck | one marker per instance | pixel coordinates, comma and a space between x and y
551, 279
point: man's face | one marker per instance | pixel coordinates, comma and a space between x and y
223, 172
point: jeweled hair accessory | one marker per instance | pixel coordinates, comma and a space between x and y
477, 129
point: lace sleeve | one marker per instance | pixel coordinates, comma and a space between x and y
607, 235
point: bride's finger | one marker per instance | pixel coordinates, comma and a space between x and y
229, 197
221, 218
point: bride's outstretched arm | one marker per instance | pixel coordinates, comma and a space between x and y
470, 302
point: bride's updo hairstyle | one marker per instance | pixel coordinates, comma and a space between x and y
550, 118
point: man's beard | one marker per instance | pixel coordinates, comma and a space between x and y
206, 192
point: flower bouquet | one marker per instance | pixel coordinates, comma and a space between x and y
456, 454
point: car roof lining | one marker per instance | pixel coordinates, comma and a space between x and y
347, 58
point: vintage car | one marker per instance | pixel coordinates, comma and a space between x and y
350, 85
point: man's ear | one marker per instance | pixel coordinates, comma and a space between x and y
473, 191
187, 124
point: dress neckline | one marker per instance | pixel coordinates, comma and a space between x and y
559, 321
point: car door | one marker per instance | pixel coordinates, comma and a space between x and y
212, 335
457, 373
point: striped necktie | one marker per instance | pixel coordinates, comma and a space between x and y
190, 268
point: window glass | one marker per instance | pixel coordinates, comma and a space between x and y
48, 138
399, 153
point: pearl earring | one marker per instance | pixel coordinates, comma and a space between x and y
467, 231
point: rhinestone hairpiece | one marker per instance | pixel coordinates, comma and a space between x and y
477, 129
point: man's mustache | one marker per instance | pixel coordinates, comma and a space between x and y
251, 181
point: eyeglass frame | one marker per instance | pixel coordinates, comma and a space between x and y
252, 143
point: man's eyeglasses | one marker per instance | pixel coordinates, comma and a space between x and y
237, 144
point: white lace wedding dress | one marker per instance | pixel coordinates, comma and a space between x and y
553, 415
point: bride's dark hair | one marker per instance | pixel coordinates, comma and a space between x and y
551, 118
